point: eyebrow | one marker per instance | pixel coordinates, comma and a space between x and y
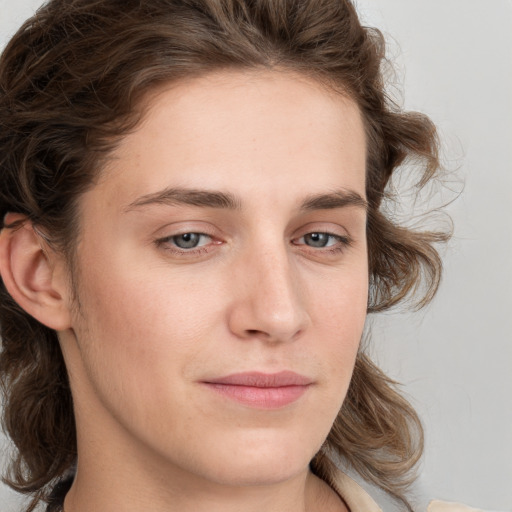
187, 196
225, 200
337, 199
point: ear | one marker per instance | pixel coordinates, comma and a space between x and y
34, 274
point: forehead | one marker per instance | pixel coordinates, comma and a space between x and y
242, 130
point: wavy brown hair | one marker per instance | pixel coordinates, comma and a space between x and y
72, 82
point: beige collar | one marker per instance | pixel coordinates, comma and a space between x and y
356, 498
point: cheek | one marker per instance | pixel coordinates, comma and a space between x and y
339, 302
137, 339
145, 327
339, 311
136, 313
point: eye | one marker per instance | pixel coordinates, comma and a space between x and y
321, 240
318, 239
187, 240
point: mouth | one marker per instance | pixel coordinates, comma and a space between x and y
261, 390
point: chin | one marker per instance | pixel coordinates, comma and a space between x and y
269, 472
263, 461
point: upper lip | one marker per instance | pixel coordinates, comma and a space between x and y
263, 380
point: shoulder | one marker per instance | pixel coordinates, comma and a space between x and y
358, 499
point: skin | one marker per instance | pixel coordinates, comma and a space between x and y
153, 321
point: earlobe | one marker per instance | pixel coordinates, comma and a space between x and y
29, 274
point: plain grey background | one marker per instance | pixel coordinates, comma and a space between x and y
454, 62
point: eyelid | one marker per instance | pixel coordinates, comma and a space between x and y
342, 242
165, 244
166, 231
342, 238
330, 228
201, 237
338, 232
162, 238
166, 238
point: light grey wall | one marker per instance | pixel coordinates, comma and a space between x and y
455, 358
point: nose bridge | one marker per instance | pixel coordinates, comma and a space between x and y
271, 304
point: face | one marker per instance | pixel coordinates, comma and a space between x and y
222, 279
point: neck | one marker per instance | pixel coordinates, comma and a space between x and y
114, 475
113, 489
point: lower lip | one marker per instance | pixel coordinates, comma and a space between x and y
260, 398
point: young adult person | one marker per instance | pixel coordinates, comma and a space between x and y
192, 237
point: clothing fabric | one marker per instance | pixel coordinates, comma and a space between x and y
446, 506
358, 500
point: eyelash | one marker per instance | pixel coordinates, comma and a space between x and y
342, 242
167, 243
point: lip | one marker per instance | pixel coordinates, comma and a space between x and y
261, 390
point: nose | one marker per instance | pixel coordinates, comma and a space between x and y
269, 301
